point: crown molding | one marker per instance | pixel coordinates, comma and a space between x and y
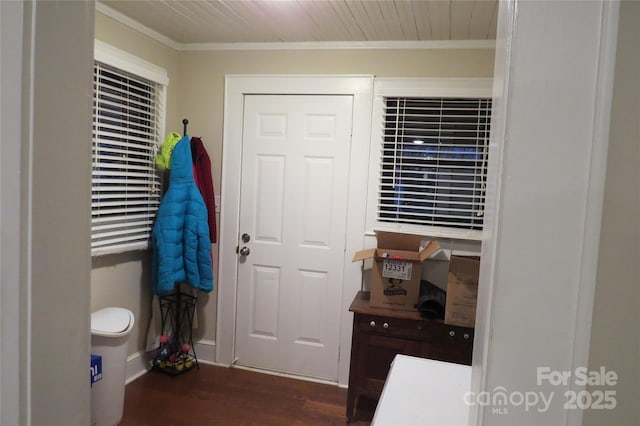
314, 45
345, 45
136, 25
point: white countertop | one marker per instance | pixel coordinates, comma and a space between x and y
424, 392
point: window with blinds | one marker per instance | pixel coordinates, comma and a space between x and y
433, 166
127, 117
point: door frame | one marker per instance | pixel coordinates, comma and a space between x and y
236, 87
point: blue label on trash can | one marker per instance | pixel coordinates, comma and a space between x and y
96, 368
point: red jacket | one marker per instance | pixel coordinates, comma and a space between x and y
202, 165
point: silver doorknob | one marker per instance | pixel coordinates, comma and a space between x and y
244, 251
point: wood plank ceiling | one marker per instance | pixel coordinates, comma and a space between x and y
251, 21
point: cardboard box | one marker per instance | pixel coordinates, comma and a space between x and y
462, 291
397, 264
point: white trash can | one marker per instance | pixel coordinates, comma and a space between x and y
110, 328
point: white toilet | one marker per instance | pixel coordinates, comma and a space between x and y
110, 328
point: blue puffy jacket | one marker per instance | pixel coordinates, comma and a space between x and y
180, 238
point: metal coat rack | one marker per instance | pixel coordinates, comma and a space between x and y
177, 309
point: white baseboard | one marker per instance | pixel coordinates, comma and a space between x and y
217, 364
205, 351
136, 366
137, 363
287, 375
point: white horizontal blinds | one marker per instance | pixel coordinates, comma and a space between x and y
125, 185
434, 161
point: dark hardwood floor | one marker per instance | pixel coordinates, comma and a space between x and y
230, 396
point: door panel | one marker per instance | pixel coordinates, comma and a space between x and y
269, 198
266, 283
295, 158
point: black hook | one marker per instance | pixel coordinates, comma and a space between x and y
184, 123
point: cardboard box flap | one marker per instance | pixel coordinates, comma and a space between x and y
392, 240
431, 248
364, 254
397, 254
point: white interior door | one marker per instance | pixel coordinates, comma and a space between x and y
293, 205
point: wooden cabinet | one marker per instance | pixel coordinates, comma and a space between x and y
379, 334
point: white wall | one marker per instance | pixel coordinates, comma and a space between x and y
615, 339
11, 15
549, 134
55, 199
